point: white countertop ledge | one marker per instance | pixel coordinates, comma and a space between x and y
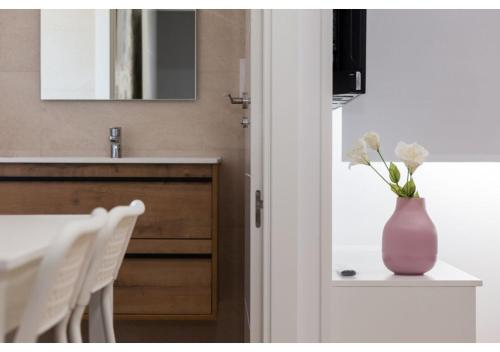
107, 160
371, 272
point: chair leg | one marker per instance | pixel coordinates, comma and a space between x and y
107, 312
61, 332
75, 324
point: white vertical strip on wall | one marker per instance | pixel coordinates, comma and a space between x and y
102, 54
243, 78
149, 54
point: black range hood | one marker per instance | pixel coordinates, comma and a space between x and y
349, 55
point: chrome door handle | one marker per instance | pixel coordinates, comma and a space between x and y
244, 100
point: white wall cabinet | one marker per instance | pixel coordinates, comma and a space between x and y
377, 306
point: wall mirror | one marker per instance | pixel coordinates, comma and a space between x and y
118, 54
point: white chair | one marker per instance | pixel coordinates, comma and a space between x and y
106, 261
59, 278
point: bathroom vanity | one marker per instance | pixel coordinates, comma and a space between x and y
377, 306
170, 269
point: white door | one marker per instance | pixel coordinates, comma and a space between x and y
251, 86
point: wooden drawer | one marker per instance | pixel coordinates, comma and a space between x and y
26, 171
170, 246
164, 286
173, 209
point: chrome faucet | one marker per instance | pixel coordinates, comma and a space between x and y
115, 137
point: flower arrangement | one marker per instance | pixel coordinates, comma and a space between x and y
412, 155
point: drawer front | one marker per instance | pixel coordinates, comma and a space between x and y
173, 209
170, 246
164, 286
106, 170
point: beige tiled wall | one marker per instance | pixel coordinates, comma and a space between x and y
209, 126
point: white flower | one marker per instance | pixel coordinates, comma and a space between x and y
413, 155
358, 154
372, 140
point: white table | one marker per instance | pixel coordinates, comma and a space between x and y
377, 306
23, 242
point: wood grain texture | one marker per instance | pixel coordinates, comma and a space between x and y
106, 170
164, 286
180, 219
173, 210
173, 246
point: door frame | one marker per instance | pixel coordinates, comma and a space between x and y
296, 120
256, 286
326, 185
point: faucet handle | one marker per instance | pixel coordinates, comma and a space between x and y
115, 132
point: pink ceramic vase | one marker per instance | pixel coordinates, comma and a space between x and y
409, 243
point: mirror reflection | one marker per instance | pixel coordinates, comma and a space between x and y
118, 54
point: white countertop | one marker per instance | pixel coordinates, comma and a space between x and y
106, 160
370, 269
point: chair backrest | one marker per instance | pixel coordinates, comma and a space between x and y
110, 249
60, 275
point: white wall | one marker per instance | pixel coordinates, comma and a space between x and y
463, 199
432, 74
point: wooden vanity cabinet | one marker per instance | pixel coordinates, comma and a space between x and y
170, 269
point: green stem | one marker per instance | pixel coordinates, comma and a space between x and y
381, 157
378, 173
